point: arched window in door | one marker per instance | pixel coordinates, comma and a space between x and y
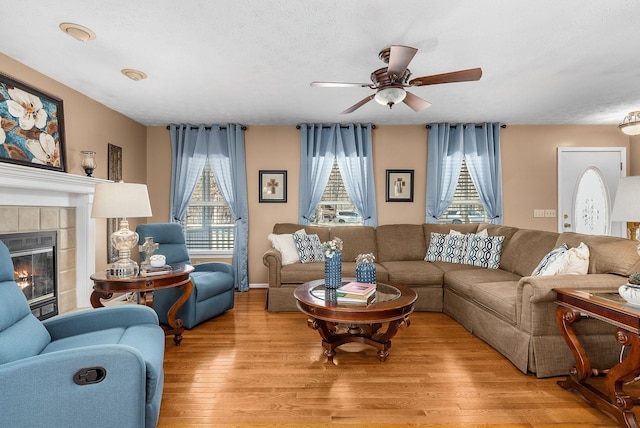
592, 204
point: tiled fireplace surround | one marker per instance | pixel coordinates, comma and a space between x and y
33, 199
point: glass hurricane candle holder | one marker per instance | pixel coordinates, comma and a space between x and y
88, 162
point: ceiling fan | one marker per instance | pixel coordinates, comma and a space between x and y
389, 82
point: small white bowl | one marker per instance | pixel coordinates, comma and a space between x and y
157, 260
630, 293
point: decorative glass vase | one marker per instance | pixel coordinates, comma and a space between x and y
333, 271
366, 273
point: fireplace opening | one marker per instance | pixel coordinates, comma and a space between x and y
35, 269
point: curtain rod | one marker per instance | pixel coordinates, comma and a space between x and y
341, 126
208, 128
502, 125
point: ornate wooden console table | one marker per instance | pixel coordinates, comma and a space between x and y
607, 306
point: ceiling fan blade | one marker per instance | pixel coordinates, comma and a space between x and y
341, 84
399, 59
415, 102
358, 104
454, 76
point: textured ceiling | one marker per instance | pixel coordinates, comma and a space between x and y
251, 61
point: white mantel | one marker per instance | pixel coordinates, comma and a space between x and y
29, 186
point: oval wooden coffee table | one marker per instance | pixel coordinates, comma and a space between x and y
340, 323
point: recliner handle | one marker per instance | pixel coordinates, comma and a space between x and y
90, 375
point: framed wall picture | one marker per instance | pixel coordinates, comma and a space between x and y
32, 126
399, 185
273, 186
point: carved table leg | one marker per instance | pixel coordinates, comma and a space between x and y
96, 297
176, 323
613, 400
565, 317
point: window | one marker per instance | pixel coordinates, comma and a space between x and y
335, 206
466, 206
208, 224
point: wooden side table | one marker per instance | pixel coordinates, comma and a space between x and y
607, 306
104, 286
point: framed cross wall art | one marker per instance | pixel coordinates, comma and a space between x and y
273, 186
399, 185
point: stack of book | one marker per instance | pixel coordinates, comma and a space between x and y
356, 292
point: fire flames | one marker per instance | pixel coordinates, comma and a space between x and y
22, 278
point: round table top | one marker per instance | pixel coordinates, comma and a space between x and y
392, 302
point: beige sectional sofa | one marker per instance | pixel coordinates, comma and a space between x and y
506, 307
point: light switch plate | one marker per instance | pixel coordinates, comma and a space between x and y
538, 213
549, 213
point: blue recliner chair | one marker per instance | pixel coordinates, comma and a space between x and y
213, 282
93, 368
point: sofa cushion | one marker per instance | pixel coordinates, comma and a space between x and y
308, 247
415, 272
355, 240
299, 273
608, 254
524, 250
321, 231
463, 280
497, 297
400, 242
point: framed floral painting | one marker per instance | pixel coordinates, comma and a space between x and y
31, 126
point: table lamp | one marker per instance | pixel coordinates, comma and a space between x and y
122, 200
626, 206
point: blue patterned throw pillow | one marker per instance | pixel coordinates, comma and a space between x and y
549, 259
308, 247
484, 252
447, 248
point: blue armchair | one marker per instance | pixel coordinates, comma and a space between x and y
213, 282
94, 368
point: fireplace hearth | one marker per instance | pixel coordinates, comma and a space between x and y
35, 269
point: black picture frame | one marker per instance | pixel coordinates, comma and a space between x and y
272, 186
32, 138
399, 185
114, 173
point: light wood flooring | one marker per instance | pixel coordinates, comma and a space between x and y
249, 367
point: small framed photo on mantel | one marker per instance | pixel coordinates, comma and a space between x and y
273, 186
399, 185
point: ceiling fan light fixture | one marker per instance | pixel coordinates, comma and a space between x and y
133, 74
78, 32
390, 96
631, 124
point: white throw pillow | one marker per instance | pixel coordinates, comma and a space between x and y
548, 259
574, 261
287, 246
483, 233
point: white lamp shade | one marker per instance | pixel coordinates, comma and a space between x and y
626, 206
117, 200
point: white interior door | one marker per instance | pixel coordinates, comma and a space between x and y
587, 183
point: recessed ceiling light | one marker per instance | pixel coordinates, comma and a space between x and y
133, 74
78, 32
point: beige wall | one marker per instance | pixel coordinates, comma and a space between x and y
90, 125
528, 152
